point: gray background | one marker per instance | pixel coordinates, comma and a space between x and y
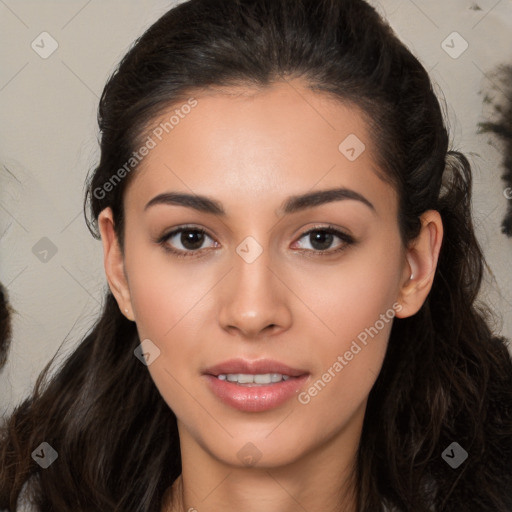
48, 143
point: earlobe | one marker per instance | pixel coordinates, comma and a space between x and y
113, 262
422, 257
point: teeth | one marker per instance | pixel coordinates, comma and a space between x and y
246, 378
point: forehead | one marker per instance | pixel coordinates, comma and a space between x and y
242, 141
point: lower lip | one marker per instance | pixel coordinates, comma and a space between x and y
255, 398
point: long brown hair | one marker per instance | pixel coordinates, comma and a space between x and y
446, 378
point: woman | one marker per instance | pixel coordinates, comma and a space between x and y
291, 320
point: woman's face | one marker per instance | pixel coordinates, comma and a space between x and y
259, 286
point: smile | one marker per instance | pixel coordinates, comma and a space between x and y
254, 386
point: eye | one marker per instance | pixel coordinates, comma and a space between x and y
321, 238
190, 238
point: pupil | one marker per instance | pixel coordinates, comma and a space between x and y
323, 238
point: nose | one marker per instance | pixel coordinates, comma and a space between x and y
253, 299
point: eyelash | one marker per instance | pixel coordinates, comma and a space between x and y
347, 239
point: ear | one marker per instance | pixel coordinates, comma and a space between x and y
422, 257
114, 263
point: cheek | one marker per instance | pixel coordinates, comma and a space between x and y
350, 297
169, 300
356, 306
164, 293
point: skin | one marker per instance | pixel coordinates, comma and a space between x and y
252, 149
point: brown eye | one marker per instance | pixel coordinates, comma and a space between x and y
184, 241
321, 239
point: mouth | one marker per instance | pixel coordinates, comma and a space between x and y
254, 386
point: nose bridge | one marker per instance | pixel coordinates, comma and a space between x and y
252, 297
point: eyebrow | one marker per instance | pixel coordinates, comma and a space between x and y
292, 205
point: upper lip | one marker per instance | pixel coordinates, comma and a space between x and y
258, 367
